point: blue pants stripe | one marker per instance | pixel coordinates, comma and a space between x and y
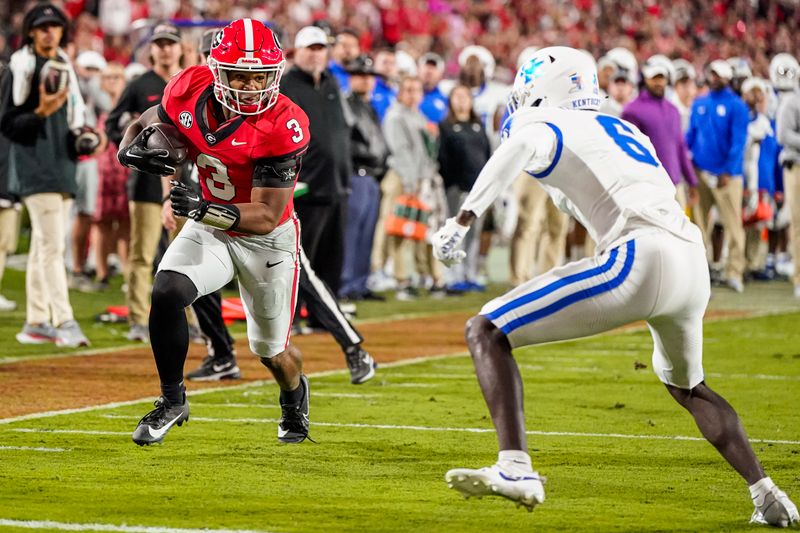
578, 296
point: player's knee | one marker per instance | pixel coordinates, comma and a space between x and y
480, 329
172, 289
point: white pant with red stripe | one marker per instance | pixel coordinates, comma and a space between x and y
267, 268
656, 277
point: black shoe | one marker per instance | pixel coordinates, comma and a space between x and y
293, 426
215, 369
362, 366
155, 424
371, 296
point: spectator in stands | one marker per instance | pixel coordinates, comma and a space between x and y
369, 154
434, 102
38, 125
346, 49
9, 211
111, 216
786, 76
684, 90
326, 166
652, 113
385, 92
145, 191
716, 137
412, 171
464, 149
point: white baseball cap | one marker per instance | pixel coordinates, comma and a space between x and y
309, 36
721, 68
658, 65
90, 59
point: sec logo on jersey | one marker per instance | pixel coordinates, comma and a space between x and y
186, 119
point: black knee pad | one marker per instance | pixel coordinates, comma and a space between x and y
173, 289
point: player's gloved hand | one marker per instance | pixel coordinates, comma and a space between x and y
186, 202
446, 240
149, 160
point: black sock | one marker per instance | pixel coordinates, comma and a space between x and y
293, 396
175, 393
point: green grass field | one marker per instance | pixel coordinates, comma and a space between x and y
607, 435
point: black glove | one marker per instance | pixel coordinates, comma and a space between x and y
148, 160
186, 202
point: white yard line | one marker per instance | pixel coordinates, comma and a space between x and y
249, 385
71, 526
34, 449
457, 429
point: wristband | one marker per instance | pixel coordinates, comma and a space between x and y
221, 216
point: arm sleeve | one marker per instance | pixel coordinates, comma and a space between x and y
20, 126
126, 103
788, 126
278, 172
402, 150
531, 144
735, 159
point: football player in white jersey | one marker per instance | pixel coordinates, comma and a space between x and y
651, 265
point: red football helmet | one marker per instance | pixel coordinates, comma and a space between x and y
246, 45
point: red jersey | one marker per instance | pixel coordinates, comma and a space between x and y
227, 153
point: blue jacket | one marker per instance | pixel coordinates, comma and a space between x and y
770, 172
718, 131
434, 105
341, 75
383, 96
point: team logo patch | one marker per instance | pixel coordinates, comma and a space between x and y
577, 84
210, 139
186, 119
217, 40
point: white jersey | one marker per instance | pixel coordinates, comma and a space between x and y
601, 170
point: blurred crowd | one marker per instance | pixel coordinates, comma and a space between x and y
406, 101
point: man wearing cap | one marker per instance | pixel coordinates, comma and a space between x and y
716, 137
42, 169
652, 113
145, 191
326, 167
346, 49
369, 154
434, 102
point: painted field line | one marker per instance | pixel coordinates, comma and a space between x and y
461, 430
35, 449
69, 431
71, 526
243, 386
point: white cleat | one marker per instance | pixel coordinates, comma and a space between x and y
775, 509
524, 488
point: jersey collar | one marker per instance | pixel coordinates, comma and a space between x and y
226, 129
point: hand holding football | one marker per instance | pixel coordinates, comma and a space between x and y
167, 137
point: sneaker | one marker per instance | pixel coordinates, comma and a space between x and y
735, 285
775, 509
437, 292
293, 426
6, 304
784, 266
523, 487
69, 335
81, 282
36, 334
215, 369
138, 332
405, 295
361, 364
154, 425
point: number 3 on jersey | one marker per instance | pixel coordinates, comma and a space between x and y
622, 135
298, 131
219, 184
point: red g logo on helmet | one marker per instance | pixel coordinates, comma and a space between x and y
246, 45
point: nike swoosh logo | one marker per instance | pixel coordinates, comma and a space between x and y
270, 265
514, 478
234, 143
282, 432
220, 368
158, 433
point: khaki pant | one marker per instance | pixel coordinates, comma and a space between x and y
391, 188
538, 220
46, 277
728, 200
755, 249
9, 231
145, 234
791, 186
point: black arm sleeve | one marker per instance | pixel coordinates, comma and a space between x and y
278, 172
19, 123
127, 103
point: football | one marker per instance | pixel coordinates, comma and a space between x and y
86, 140
167, 137
54, 75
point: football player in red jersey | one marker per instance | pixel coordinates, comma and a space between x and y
247, 141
